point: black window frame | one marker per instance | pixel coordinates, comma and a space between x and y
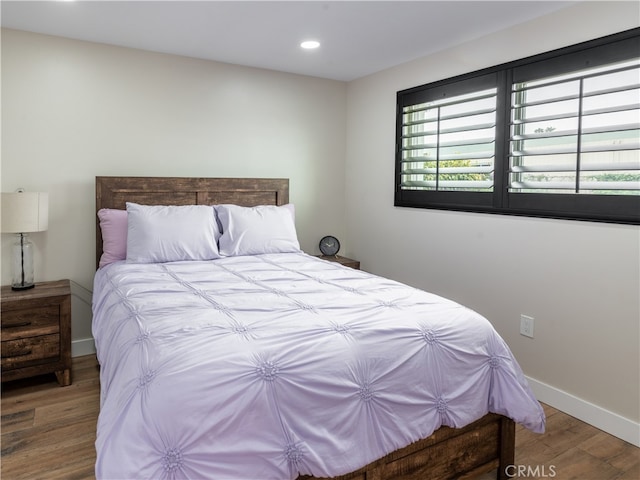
624, 209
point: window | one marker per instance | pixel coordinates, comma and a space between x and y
555, 135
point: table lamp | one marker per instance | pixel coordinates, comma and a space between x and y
22, 213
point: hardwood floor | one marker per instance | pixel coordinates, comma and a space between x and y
48, 433
572, 450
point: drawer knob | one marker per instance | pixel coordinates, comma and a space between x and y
21, 354
14, 325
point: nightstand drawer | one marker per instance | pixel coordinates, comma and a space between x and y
30, 322
36, 331
30, 351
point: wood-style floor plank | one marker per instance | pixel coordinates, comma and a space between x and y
48, 433
572, 450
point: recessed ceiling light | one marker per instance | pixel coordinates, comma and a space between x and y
310, 44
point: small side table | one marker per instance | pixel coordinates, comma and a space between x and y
36, 331
341, 260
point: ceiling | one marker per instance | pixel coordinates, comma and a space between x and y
357, 37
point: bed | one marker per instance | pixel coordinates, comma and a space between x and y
279, 365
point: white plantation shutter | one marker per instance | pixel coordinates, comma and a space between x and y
577, 133
450, 144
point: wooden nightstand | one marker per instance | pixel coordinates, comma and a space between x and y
341, 260
36, 331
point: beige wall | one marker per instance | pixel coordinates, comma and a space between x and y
72, 110
579, 280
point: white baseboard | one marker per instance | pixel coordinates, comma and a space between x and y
79, 348
610, 422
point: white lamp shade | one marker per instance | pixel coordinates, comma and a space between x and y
24, 212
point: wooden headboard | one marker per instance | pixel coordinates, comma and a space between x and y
114, 192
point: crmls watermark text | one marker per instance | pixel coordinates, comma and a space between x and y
537, 471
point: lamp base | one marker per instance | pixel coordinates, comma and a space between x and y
22, 278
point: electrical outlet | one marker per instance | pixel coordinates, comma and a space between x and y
526, 326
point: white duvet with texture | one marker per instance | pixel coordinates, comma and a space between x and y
270, 366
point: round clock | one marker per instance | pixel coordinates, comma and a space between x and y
329, 245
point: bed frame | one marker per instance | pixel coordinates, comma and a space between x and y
450, 453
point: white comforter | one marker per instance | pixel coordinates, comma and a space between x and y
265, 367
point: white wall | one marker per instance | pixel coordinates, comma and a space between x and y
72, 110
579, 280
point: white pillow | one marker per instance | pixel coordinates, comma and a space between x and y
256, 230
159, 233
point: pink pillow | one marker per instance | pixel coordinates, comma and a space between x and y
113, 224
